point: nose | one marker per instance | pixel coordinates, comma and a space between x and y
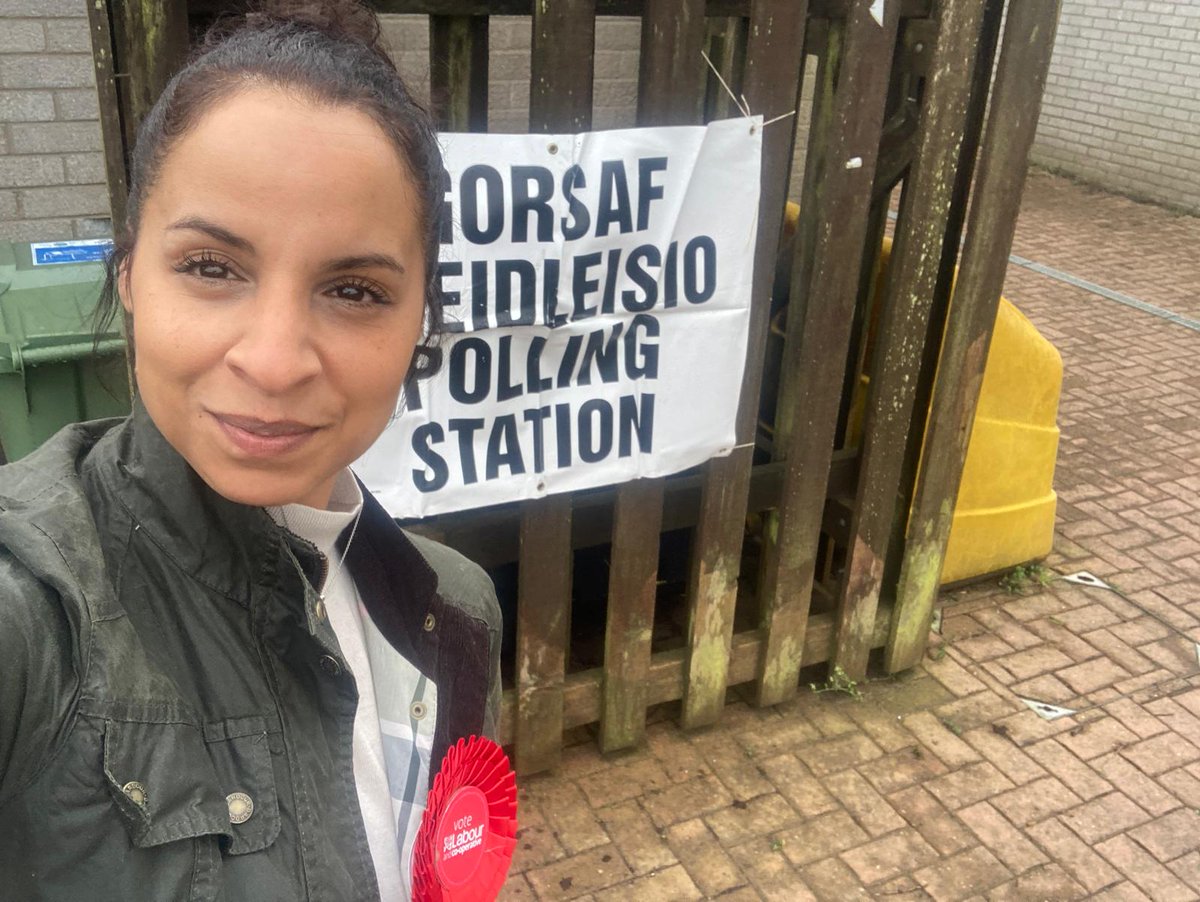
275, 350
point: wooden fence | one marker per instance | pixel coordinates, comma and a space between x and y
802, 546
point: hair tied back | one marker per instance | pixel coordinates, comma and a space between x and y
343, 20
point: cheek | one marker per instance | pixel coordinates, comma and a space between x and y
380, 362
171, 341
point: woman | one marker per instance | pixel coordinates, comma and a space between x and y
226, 672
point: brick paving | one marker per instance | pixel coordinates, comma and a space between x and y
940, 784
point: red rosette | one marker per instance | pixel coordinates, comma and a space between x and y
469, 830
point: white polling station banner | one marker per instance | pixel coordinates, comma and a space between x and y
597, 289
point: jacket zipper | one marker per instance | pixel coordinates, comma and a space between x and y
320, 587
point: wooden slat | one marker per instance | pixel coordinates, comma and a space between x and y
639, 505
147, 43
671, 74
865, 311
151, 42
716, 557
561, 74
543, 631
110, 114
1016, 101
914, 56
725, 41
896, 657
633, 579
817, 363
458, 72
665, 676
899, 109
633, 568
560, 79
774, 68
137, 46
784, 628
912, 278
825, 40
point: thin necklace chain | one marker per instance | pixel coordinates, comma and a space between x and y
345, 551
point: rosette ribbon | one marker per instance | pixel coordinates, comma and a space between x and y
469, 829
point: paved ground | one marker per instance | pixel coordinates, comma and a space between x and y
942, 784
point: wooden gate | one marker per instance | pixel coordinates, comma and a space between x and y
805, 545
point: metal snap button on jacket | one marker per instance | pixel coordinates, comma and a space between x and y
241, 806
136, 792
417, 710
430, 623
330, 665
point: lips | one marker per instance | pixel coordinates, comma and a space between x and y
257, 438
266, 428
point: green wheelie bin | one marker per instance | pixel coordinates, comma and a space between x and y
53, 370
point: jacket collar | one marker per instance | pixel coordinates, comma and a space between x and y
231, 547
134, 480
222, 544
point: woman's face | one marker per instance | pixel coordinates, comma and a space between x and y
277, 292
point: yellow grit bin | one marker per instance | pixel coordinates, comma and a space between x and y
1004, 514
1005, 510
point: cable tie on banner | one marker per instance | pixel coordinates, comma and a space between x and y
740, 101
740, 104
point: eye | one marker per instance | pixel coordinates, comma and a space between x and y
355, 292
206, 266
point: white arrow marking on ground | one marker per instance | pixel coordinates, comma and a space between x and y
877, 11
1047, 711
1083, 578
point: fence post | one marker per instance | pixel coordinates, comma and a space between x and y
560, 99
981, 82
458, 72
912, 277
1012, 123
772, 80
110, 112
820, 335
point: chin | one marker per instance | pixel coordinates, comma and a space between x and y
255, 490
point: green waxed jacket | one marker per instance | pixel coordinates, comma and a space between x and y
161, 649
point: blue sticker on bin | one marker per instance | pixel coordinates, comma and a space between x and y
50, 253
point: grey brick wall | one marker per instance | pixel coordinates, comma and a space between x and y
1122, 104
51, 161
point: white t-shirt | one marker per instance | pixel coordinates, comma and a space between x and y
390, 753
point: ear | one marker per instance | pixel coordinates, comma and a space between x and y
123, 289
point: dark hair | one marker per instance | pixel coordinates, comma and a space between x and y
329, 51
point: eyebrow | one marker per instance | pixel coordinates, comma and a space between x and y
354, 261
362, 261
196, 224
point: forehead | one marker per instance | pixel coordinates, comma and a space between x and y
267, 159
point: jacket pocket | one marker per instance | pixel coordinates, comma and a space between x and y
163, 782
173, 781
240, 751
